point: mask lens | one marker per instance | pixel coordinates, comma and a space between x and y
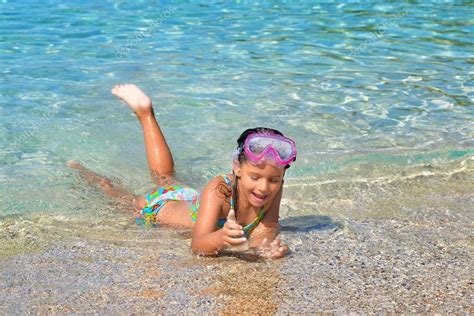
258, 145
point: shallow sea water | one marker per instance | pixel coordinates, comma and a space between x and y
377, 209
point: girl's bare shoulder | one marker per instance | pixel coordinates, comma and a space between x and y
216, 183
218, 188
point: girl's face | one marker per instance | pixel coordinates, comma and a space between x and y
259, 183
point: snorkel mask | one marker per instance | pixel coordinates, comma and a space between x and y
258, 146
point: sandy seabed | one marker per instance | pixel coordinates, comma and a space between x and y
398, 246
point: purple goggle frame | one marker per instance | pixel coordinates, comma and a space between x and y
258, 145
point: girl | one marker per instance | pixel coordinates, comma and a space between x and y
233, 209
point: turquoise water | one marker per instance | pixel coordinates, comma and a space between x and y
367, 91
377, 209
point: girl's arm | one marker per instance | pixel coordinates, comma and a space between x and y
207, 239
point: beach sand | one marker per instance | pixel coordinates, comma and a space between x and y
403, 245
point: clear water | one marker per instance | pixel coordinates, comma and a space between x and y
378, 97
388, 85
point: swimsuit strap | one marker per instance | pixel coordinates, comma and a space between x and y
226, 179
228, 182
248, 228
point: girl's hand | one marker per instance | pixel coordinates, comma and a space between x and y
232, 232
272, 250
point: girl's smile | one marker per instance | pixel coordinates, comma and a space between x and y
259, 183
260, 199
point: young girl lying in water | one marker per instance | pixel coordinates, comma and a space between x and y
233, 209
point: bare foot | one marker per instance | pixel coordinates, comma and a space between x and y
135, 98
74, 164
89, 175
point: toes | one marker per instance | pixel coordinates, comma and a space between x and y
116, 89
106, 183
74, 165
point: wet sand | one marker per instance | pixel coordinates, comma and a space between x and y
403, 245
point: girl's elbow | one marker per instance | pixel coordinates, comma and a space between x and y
204, 247
203, 252
195, 247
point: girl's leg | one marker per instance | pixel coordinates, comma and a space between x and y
106, 186
160, 160
172, 213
